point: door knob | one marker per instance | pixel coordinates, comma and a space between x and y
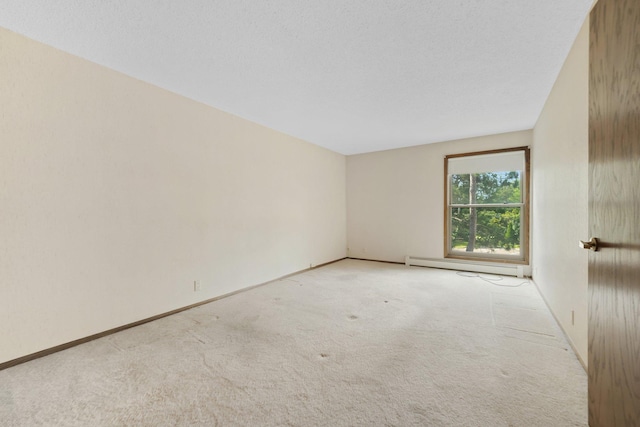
592, 244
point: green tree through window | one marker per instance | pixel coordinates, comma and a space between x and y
485, 214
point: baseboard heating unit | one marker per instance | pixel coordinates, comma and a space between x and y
477, 267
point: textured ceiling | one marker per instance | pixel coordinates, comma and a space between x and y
352, 76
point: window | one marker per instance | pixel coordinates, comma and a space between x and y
487, 205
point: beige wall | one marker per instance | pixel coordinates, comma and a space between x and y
560, 191
116, 195
395, 198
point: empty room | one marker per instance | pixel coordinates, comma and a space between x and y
319, 213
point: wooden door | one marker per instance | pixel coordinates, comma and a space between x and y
614, 214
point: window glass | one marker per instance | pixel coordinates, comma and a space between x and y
492, 187
497, 230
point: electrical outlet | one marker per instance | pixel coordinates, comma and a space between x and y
197, 286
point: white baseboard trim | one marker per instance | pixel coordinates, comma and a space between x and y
566, 336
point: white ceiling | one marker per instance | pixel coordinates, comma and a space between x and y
353, 76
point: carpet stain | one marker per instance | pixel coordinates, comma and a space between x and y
323, 355
419, 411
198, 339
353, 317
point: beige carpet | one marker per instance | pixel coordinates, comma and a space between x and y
355, 343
